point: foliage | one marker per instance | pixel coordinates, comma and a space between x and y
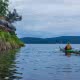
13, 40
3, 7
13, 16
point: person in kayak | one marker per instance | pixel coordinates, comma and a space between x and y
68, 46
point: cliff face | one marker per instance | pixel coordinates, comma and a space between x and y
8, 38
9, 41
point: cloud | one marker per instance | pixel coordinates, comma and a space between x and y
57, 17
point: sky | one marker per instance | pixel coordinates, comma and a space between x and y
47, 18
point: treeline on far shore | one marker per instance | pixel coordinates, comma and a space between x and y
54, 40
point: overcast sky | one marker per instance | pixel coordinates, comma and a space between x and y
47, 18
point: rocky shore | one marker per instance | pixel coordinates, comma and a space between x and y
8, 37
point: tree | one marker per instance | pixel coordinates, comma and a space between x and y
6, 14
4, 7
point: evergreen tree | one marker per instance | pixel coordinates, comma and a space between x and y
3, 7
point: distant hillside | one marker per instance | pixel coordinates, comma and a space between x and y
62, 39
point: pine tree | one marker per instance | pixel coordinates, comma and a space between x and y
4, 7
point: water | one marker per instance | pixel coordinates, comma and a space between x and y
39, 62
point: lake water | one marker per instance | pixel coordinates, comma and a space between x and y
39, 62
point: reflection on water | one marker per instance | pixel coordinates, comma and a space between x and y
8, 68
67, 54
39, 62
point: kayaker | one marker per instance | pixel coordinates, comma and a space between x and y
68, 46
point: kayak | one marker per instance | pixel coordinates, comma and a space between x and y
70, 51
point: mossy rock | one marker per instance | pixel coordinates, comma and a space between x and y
8, 41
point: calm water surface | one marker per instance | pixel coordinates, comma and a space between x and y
39, 62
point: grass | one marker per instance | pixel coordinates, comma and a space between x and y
13, 40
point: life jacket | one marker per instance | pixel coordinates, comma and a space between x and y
68, 47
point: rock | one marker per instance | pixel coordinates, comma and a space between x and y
8, 38
6, 24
